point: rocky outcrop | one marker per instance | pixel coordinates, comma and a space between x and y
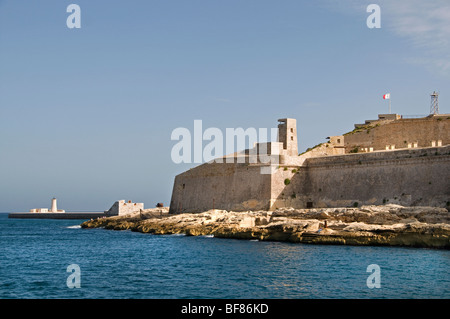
391, 225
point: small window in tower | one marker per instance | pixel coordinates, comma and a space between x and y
292, 130
184, 185
292, 138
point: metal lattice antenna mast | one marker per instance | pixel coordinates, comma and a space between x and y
434, 108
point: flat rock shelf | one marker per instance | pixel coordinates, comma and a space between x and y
388, 225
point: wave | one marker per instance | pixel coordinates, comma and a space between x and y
74, 227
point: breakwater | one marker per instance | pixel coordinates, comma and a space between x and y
67, 215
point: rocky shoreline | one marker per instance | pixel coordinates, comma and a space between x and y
387, 225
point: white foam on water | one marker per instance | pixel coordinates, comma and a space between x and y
74, 227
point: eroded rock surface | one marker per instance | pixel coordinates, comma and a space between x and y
368, 225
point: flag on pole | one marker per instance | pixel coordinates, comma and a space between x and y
387, 96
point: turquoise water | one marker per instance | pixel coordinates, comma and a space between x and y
35, 254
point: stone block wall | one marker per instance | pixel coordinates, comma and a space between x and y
229, 186
414, 177
400, 134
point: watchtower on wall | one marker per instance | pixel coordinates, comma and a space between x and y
287, 134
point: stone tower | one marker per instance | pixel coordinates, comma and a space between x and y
287, 134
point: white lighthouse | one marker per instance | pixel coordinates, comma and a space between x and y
54, 208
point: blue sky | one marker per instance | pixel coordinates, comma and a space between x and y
86, 114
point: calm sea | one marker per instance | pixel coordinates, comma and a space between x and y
35, 254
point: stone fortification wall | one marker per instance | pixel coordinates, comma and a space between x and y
414, 177
226, 186
411, 177
400, 134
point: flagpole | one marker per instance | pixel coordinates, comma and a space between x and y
387, 96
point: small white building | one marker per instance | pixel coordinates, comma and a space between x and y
121, 207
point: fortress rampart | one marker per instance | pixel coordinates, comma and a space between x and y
221, 185
350, 170
415, 177
399, 133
